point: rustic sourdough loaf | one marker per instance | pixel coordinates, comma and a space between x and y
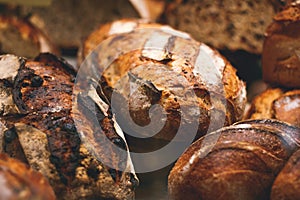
152, 64
281, 49
68, 22
229, 24
18, 181
236, 162
39, 129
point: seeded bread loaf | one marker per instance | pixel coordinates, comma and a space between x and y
18, 181
18, 36
68, 22
232, 25
236, 162
276, 103
281, 49
155, 64
39, 129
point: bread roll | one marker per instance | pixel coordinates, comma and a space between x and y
278, 104
287, 183
18, 36
281, 55
232, 25
18, 181
236, 162
165, 67
39, 129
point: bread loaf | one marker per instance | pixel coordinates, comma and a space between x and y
232, 25
154, 61
18, 36
278, 104
236, 162
69, 22
18, 181
287, 183
36, 103
281, 56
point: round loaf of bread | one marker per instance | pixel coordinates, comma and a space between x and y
38, 129
281, 49
18, 181
155, 75
236, 162
287, 183
18, 36
276, 103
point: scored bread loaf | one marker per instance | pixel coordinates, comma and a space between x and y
39, 129
18, 36
281, 49
287, 183
18, 181
152, 64
229, 24
236, 162
278, 104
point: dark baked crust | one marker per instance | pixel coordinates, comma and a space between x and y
287, 183
237, 162
138, 59
280, 57
276, 103
44, 134
18, 181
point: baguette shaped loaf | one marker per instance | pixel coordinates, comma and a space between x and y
287, 183
165, 67
18, 181
276, 103
39, 130
236, 162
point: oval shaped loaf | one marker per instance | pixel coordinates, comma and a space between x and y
276, 103
236, 162
151, 64
18, 181
18, 36
39, 130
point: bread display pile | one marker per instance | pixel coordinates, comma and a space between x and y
138, 85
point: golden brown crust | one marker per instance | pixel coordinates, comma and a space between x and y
138, 58
237, 162
18, 181
276, 103
280, 57
287, 183
18, 36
